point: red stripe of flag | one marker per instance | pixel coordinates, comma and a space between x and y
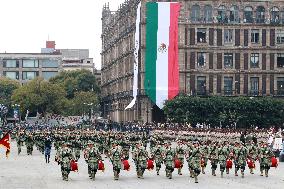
173, 68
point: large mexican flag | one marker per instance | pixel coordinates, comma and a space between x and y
161, 62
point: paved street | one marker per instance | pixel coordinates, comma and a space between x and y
31, 172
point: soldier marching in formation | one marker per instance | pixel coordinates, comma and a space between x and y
166, 148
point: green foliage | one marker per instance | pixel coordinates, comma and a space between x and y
242, 111
82, 103
7, 87
76, 81
40, 96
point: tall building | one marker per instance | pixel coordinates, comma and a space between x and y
226, 48
27, 66
72, 59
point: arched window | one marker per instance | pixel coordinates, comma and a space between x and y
222, 16
234, 14
208, 13
260, 14
248, 15
195, 13
275, 15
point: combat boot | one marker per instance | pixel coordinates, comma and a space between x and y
202, 169
213, 172
227, 171
115, 175
158, 170
179, 171
261, 172
170, 176
195, 179
266, 172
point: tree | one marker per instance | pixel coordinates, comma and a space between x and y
41, 96
7, 87
76, 81
229, 111
82, 103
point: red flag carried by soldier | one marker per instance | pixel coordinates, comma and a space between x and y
5, 141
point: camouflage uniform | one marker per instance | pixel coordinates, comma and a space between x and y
169, 157
65, 157
141, 160
158, 157
265, 155
92, 158
240, 153
29, 143
180, 152
223, 154
115, 157
213, 155
194, 160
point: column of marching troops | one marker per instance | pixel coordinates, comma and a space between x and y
196, 151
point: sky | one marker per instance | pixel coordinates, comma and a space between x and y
25, 25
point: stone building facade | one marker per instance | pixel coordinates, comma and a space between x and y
227, 48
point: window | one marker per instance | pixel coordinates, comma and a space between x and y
260, 14
282, 16
195, 13
201, 85
280, 36
255, 36
234, 14
30, 63
48, 75
280, 60
254, 86
280, 85
248, 15
228, 60
201, 35
46, 63
11, 63
12, 75
208, 13
228, 36
201, 59
222, 16
228, 85
29, 75
275, 15
254, 60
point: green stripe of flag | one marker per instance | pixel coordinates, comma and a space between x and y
151, 49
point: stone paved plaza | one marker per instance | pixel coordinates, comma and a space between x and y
31, 172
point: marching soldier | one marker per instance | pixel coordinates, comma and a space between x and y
265, 155
223, 153
158, 157
213, 155
204, 152
65, 158
29, 143
141, 160
169, 157
20, 141
252, 153
240, 153
115, 157
92, 158
180, 152
195, 158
